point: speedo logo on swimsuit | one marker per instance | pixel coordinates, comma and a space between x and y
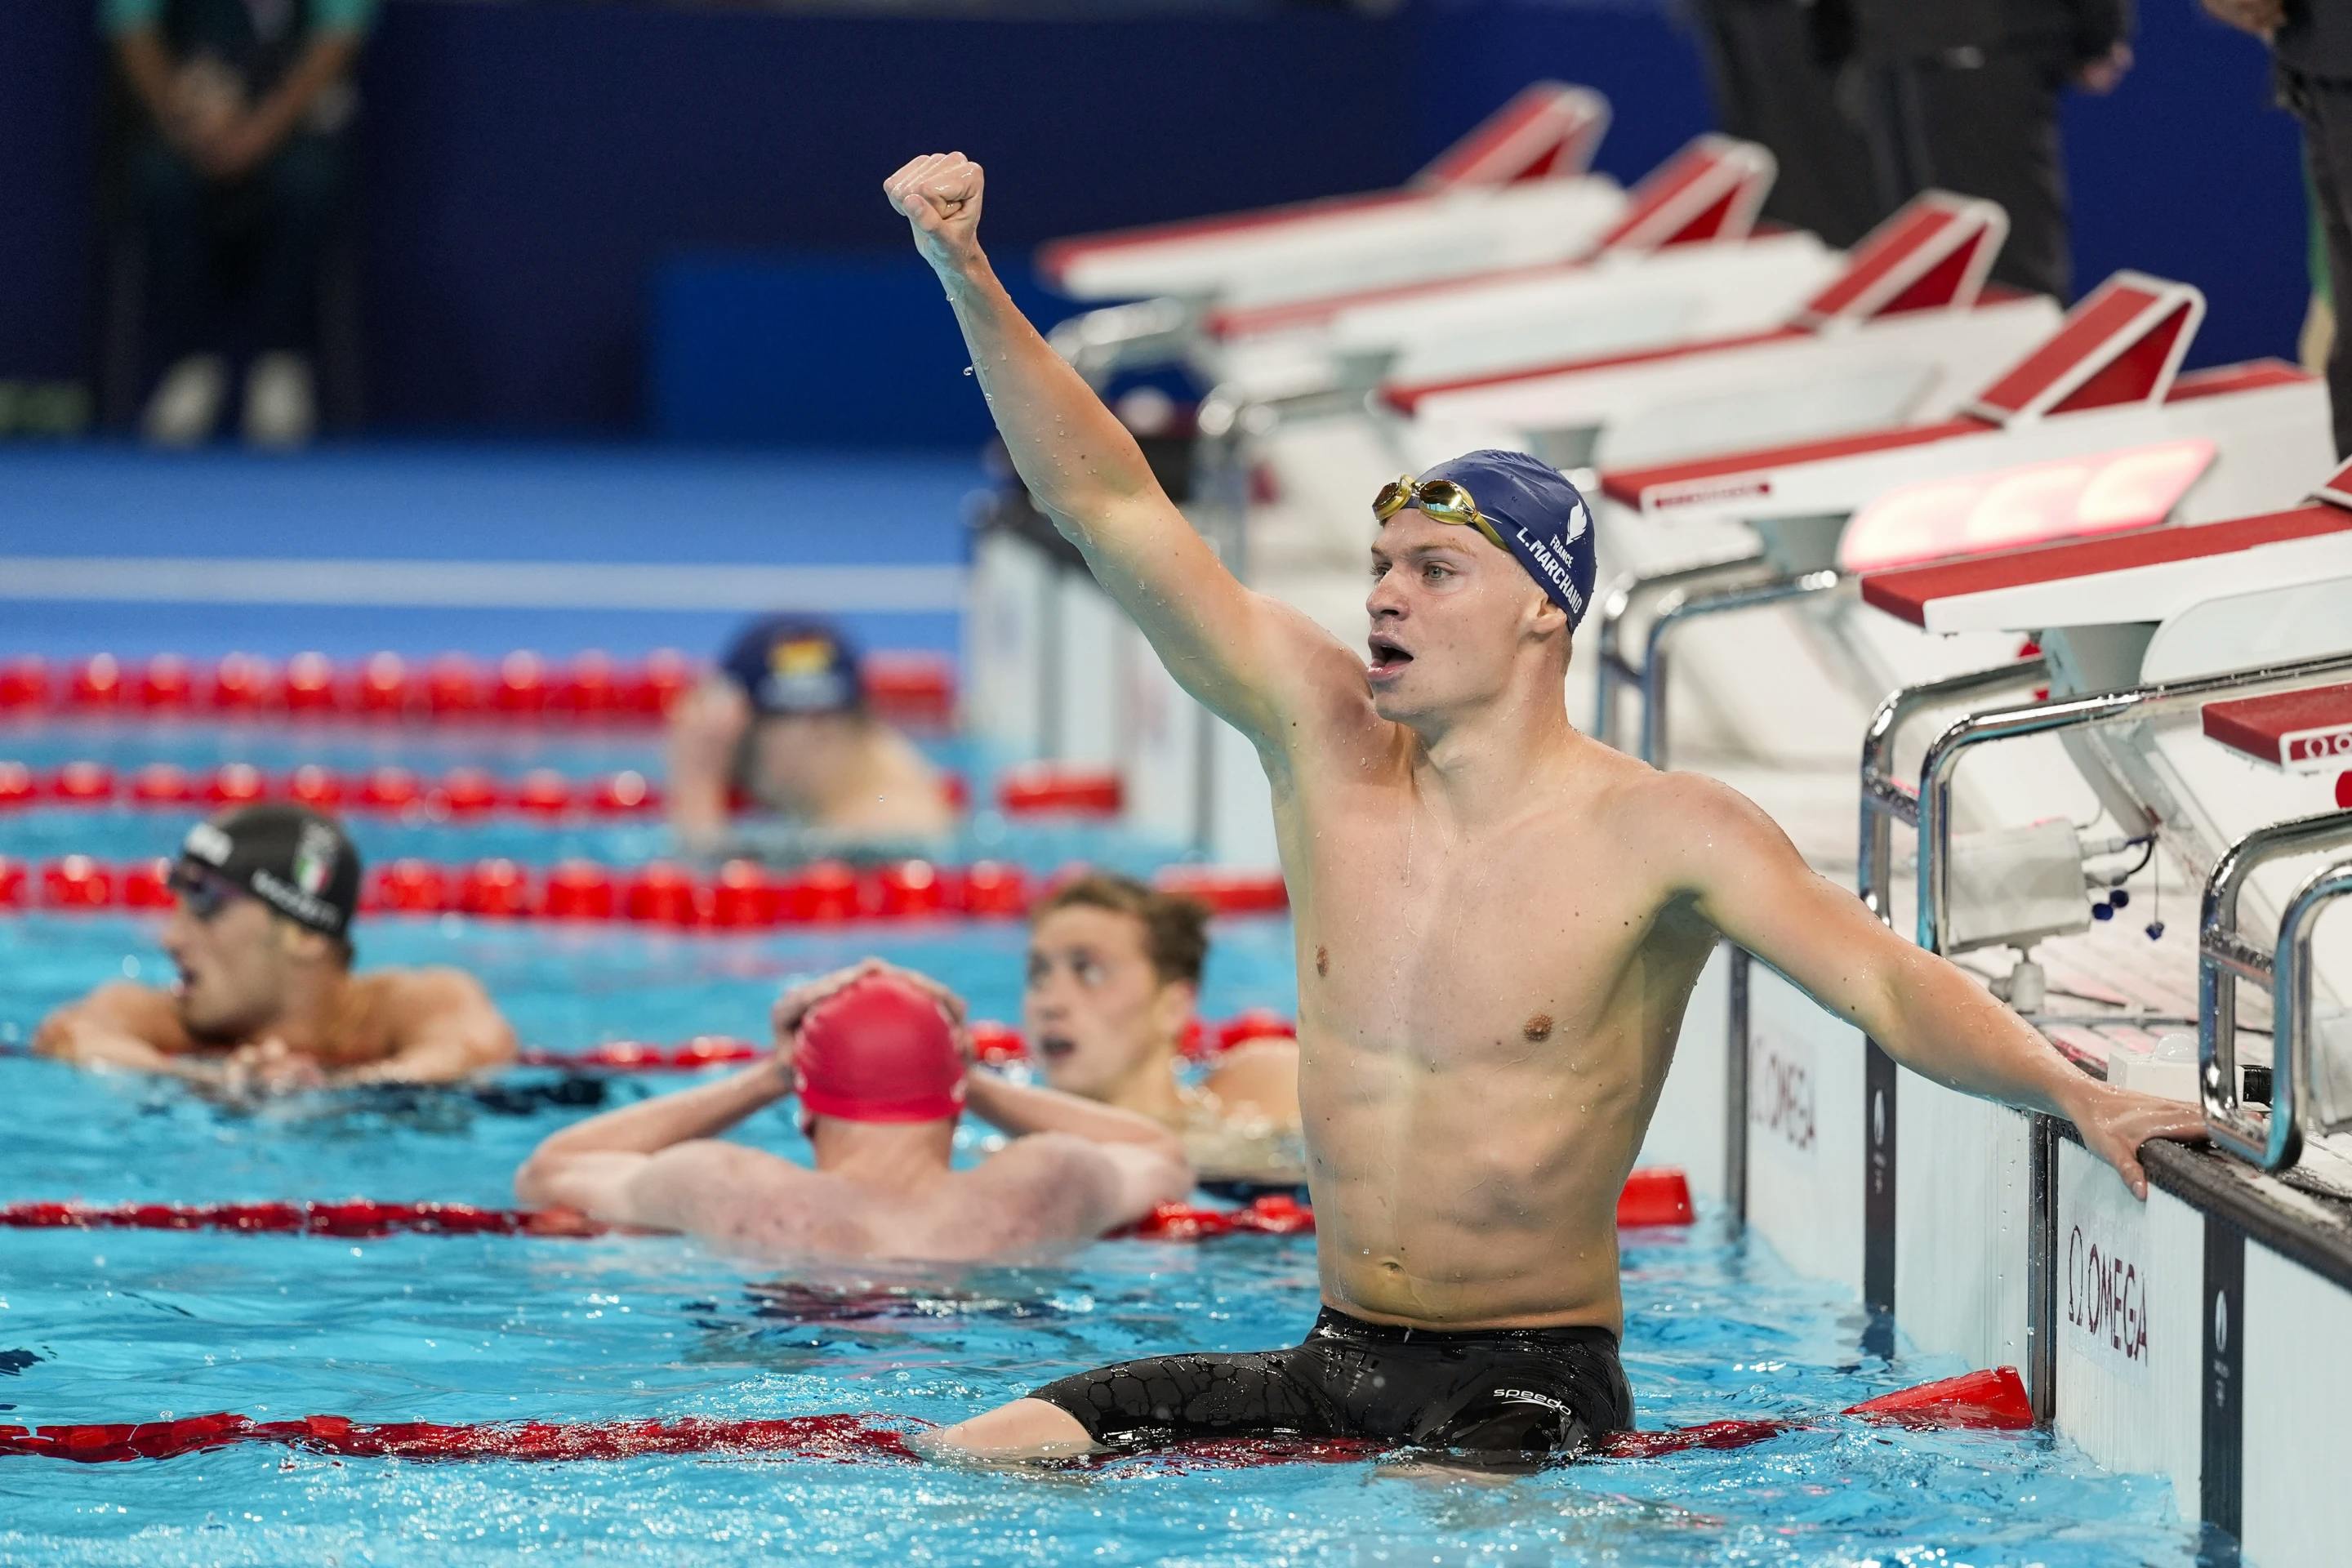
1529, 1396
1554, 568
206, 843
1698, 491
293, 901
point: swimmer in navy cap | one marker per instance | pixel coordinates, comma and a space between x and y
782, 723
263, 901
878, 1059
1497, 922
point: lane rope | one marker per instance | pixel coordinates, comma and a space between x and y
463, 795
1654, 1197
592, 688
1991, 1400
740, 896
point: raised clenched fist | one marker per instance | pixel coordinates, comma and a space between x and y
938, 194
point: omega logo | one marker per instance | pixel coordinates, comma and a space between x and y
2319, 745
2221, 1323
1783, 1101
1878, 1116
2106, 1298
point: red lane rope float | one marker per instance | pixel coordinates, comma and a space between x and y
840, 1438
1991, 1400
362, 1218
1650, 1199
592, 688
740, 895
461, 792
995, 1044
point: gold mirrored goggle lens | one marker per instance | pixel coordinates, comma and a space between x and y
1440, 500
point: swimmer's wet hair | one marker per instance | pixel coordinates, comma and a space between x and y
1175, 928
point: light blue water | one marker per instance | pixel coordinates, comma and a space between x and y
129, 1326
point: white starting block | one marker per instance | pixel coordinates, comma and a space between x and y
1907, 331
1688, 225
2104, 390
1513, 193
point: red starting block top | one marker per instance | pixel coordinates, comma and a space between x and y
1629, 485
1711, 190
1933, 254
2121, 346
1548, 129
1907, 591
2302, 732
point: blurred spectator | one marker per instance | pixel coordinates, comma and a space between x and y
2313, 42
238, 180
1963, 95
782, 723
1773, 65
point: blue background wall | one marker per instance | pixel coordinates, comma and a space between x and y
529, 169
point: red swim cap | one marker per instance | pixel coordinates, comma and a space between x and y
879, 1050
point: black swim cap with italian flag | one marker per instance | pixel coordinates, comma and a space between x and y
1543, 520
298, 861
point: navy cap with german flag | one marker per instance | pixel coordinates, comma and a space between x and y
794, 665
298, 861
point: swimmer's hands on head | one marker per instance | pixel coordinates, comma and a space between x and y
792, 1008
938, 194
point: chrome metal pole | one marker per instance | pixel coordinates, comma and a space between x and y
1678, 609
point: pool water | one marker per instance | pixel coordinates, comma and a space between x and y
120, 1326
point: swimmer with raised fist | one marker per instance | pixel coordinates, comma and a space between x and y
262, 903
880, 1061
1498, 923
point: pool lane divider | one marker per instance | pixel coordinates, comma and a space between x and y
738, 896
1992, 1400
1656, 1196
591, 691
995, 1044
465, 794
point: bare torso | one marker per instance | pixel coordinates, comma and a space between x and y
1486, 1014
1036, 1198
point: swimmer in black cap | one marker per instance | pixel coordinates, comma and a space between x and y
782, 720
1497, 919
260, 932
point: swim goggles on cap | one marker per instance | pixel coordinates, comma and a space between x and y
1440, 500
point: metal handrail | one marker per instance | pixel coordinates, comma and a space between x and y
1679, 609
1149, 331
2142, 702
2273, 1139
1883, 798
1610, 610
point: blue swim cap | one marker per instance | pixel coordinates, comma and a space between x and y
792, 665
1540, 516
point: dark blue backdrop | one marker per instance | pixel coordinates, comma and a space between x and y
529, 168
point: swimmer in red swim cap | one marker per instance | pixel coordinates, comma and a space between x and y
880, 1062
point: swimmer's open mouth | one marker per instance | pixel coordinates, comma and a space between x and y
1056, 1047
1388, 657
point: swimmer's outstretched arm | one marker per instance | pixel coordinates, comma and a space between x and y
1256, 663
650, 1164
1719, 849
127, 1027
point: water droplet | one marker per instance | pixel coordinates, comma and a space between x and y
967, 369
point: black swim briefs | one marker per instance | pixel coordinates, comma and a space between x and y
1517, 1392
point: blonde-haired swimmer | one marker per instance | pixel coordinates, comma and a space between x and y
1113, 981
263, 900
1498, 921
879, 1060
